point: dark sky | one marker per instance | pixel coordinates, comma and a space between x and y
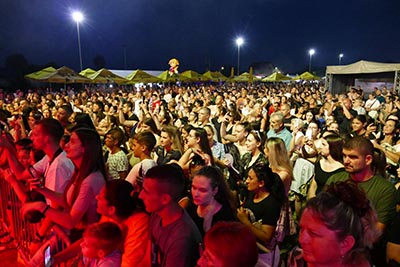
201, 32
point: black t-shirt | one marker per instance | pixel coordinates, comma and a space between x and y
344, 123
133, 117
322, 176
170, 155
394, 234
225, 214
266, 212
217, 126
288, 121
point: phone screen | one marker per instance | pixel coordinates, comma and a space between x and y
47, 256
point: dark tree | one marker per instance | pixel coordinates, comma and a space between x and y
17, 63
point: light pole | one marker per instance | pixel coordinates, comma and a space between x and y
239, 42
78, 17
311, 52
340, 58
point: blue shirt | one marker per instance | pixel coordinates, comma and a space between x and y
284, 134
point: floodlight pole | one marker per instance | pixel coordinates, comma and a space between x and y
311, 52
79, 45
340, 59
239, 42
78, 17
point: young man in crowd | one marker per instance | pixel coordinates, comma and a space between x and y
175, 237
55, 167
142, 145
359, 163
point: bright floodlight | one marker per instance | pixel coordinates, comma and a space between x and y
239, 41
77, 16
311, 52
340, 58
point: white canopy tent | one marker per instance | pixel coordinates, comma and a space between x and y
339, 78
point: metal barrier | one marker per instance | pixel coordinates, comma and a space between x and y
20, 229
22, 232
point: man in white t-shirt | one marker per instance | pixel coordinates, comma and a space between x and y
372, 105
142, 145
56, 169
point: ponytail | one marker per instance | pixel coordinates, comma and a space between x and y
272, 182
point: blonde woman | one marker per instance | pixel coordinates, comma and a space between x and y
170, 147
279, 162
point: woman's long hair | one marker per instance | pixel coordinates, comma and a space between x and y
172, 132
121, 195
93, 160
278, 156
224, 195
204, 145
84, 118
335, 143
151, 123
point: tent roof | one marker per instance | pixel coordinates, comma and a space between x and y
61, 75
363, 66
138, 76
215, 76
105, 76
307, 76
276, 77
87, 72
37, 75
194, 76
124, 73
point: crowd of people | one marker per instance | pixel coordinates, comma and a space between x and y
140, 177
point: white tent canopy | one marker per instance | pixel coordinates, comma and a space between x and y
124, 73
340, 78
363, 66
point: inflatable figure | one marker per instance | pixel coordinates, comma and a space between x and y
174, 65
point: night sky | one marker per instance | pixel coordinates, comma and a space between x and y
201, 33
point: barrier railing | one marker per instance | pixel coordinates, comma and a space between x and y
20, 230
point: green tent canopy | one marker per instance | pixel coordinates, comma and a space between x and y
61, 75
38, 75
106, 76
276, 77
193, 76
307, 76
87, 72
244, 77
215, 76
139, 76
